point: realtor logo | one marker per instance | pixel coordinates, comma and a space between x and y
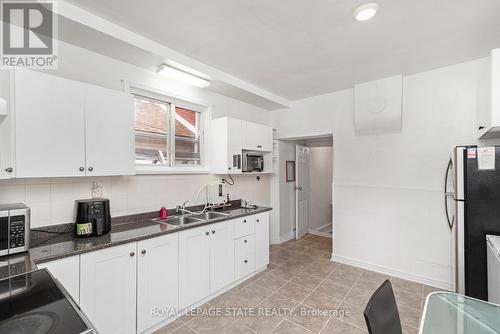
28, 34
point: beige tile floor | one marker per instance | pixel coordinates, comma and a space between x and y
302, 279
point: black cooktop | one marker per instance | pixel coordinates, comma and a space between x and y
33, 303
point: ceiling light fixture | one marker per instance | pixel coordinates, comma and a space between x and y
185, 77
366, 11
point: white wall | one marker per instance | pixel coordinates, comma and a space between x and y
286, 192
52, 200
320, 186
388, 189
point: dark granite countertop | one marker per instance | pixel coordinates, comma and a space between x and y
52, 246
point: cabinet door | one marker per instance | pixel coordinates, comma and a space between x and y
107, 288
194, 266
261, 240
157, 279
244, 256
109, 127
6, 149
257, 137
50, 139
221, 255
67, 272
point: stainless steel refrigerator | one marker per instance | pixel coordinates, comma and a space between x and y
472, 203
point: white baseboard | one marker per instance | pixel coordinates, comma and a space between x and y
320, 234
287, 237
275, 241
394, 272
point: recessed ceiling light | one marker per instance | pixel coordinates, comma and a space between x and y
366, 11
180, 75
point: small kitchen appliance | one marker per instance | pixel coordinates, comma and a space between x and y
253, 162
14, 228
93, 217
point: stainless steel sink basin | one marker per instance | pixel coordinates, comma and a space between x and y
211, 215
179, 221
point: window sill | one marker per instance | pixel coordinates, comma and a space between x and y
159, 170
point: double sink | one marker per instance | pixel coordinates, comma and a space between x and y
188, 219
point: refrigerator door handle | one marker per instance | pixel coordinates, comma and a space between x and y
448, 194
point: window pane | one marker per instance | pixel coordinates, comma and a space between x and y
187, 137
151, 125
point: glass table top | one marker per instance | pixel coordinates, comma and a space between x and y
451, 313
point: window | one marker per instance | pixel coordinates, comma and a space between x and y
167, 133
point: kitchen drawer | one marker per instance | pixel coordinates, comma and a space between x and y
244, 251
244, 226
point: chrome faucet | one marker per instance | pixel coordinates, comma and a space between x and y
181, 208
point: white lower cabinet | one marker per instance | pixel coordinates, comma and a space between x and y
261, 240
194, 265
67, 272
108, 288
244, 249
157, 280
221, 255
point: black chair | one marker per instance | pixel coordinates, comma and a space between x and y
381, 312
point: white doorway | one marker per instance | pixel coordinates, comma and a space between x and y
301, 191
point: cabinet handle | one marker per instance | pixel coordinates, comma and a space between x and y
245, 221
245, 241
132, 254
9, 170
258, 220
207, 233
81, 169
481, 127
246, 261
143, 252
213, 231
91, 169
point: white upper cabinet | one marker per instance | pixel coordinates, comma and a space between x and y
489, 99
49, 125
7, 167
68, 128
109, 126
257, 137
230, 136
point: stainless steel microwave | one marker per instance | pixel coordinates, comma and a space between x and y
14, 228
252, 162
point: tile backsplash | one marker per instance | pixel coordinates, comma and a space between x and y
52, 200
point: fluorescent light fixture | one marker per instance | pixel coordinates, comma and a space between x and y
185, 77
366, 11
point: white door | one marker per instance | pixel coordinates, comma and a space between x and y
194, 265
108, 288
257, 137
67, 272
109, 127
50, 125
261, 240
157, 279
221, 255
302, 191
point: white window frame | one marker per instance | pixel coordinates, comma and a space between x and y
206, 116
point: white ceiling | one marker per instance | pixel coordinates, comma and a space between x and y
301, 48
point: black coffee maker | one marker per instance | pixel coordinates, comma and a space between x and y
93, 217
